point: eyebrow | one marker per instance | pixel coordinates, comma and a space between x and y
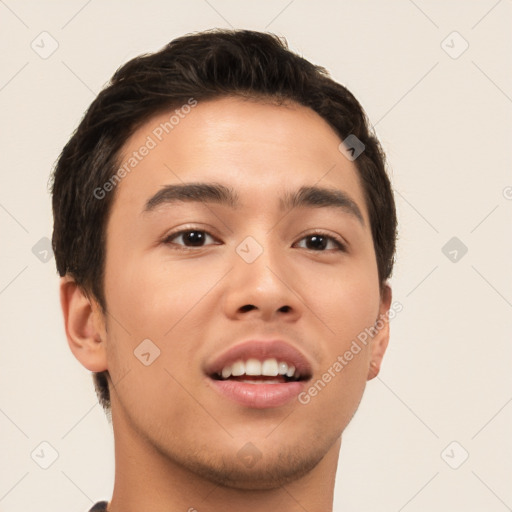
313, 196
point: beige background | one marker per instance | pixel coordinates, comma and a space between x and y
446, 124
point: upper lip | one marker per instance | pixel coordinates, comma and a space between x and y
261, 350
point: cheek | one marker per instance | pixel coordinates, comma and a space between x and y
153, 297
348, 305
168, 308
345, 300
337, 388
149, 357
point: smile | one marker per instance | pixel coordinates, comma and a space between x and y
259, 374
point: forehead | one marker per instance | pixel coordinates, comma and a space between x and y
258, 148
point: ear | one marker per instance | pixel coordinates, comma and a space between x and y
84, 324
381, 338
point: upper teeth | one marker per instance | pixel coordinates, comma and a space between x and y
268, 368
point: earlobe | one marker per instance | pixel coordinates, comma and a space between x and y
84, 325
374, 369
381, 339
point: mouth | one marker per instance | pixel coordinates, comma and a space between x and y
269, 371
260, 374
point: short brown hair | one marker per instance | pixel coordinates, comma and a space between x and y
204, 65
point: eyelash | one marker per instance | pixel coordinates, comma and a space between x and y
340, 246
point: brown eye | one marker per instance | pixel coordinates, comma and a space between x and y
189, 238
319, 242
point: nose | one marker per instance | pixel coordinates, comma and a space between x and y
262, 289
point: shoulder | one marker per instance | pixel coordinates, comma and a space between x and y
101, 506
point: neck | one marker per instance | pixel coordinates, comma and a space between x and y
146, 479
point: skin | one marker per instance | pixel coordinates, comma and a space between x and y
176, 440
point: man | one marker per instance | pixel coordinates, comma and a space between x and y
225, 231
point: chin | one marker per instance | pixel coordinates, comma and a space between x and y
285, 465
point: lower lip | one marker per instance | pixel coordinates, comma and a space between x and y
257, 396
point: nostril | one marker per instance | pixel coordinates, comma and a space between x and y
247, 307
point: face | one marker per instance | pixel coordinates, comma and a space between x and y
213, 280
